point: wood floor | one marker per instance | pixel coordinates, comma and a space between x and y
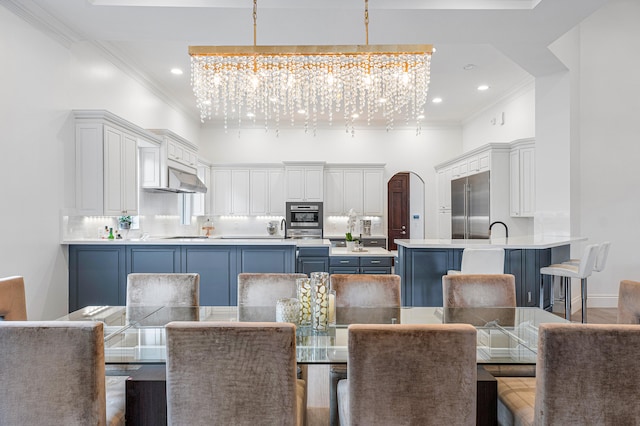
596, 315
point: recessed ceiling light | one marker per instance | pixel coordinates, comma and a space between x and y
483, 87
436, 100
469, 67
176, 71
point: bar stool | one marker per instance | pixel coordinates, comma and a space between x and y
601, 258
567, 271
481, 261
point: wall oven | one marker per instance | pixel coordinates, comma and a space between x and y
303, 220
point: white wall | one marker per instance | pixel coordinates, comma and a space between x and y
40, 82
519, 120
400, 149
609, 205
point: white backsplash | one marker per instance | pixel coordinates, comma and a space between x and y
160, 216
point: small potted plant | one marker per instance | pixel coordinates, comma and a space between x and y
124, 222
351, 224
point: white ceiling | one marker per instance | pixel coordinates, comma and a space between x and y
506, 40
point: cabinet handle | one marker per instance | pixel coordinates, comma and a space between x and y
375, 261
529, 297
344, 261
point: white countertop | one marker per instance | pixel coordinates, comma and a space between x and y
215, 241
368, 251
521, 242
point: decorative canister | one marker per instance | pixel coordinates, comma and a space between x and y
304, 298
287, 310
320, 301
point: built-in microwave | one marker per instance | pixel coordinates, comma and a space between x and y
303, 220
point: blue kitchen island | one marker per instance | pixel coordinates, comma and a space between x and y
98, 269
421, 264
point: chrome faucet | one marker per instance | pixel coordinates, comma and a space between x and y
283, 224
506, 230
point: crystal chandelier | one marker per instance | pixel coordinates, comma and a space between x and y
282, 84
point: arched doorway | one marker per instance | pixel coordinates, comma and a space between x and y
405, 207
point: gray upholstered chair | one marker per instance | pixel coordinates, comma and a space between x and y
13, 306
53, 373
354, 294
410, 374
481, 261
224, 373
258, 294
479, 291
356, 291
586, 374
629, 302
163, 290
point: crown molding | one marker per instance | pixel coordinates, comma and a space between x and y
42, 20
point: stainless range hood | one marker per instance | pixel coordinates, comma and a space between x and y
181, 182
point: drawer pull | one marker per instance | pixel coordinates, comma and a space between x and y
344, 261
375, 261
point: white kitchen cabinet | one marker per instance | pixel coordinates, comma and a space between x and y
230, 191
107, 163
149, 167
352, 187
202, 202
304, 182
522, 182
267, 192
178, 149
120, 173
444, 189
374, 191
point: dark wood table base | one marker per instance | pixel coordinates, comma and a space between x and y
146, 402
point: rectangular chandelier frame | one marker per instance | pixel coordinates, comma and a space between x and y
357, 49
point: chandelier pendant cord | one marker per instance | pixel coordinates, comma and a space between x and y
366, 20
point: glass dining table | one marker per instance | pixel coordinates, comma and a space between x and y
136, 336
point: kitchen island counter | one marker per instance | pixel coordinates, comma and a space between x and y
422, 263
212, 241
520, 242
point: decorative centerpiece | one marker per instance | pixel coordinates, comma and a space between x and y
304, 297
124, 222
351, 225
320, 301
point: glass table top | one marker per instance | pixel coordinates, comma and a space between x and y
137, 336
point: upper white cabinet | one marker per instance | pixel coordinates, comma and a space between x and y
304, 181
354, 186
522, 178
230, 191
267, 191
107, 163
374, 191
202, 202
180, 151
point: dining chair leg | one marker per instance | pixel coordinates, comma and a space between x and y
567, 298
584, 299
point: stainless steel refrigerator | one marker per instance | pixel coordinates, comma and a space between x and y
470, 206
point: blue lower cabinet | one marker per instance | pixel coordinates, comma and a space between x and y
359, 265
312, 259
96, 276
153, 259
421, 271
218, 273
98, 273
277, 259
309, 264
